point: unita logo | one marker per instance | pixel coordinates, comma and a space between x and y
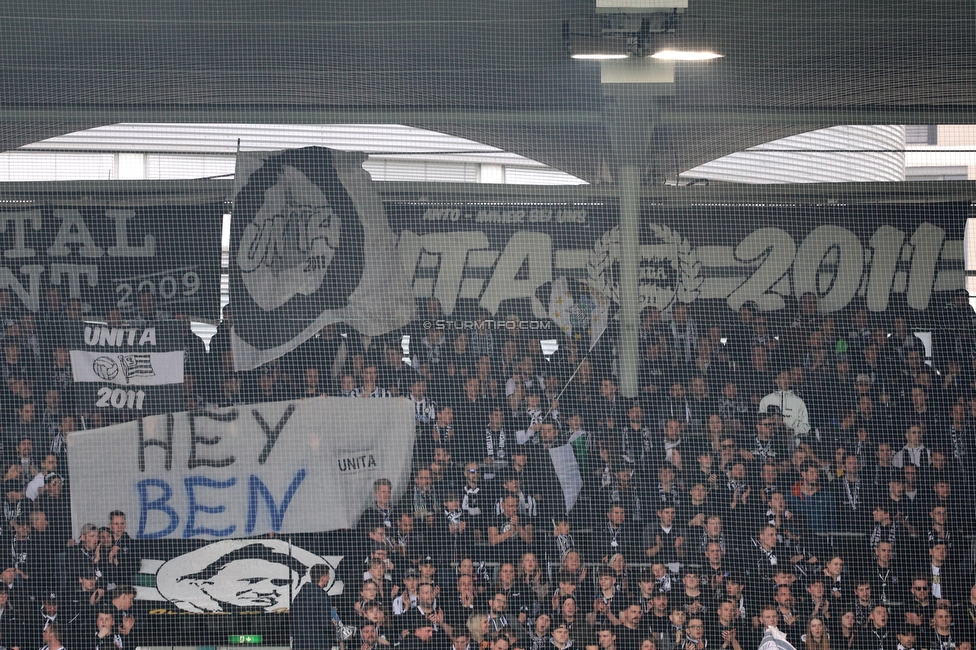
288, 246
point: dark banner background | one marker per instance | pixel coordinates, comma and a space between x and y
81, 251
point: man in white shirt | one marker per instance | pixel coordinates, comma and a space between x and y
914, 452
792, 409
48, 466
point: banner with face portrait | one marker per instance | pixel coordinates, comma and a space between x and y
310, 246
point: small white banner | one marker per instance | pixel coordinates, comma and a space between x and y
127, 368
568, 473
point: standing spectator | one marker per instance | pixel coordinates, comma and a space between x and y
123, 559
311, 612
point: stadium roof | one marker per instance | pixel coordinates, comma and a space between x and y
494, 72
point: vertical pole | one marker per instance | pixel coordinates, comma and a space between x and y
627, 350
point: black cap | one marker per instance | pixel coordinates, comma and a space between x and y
427, 560
50, 597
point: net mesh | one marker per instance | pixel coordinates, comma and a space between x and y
297, 350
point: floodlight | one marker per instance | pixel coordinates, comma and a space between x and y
685, 55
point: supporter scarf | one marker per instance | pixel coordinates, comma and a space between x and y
470, 502
454, 517
764, 449
692, 644
18, 550
482, 343
688, 338
945, 642
403, 541
539, 642
958, 446
668, 496
445, 434
116, 640
737, 485
421, 504
497, 623
879, 534
490, 444
852, 496
883, 577
770, 556
433, 351
564, 544
669, 446
613, 536
880, 638
58, 442
706, 540
664, 582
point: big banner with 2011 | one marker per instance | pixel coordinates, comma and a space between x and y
107, 257
471, 256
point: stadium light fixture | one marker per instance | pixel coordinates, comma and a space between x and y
685, 55
598, 56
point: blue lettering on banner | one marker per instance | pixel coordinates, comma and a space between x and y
257, 491
159, 504
191, 483
255, 487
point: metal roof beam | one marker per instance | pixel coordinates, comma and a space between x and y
184, 192
814, 117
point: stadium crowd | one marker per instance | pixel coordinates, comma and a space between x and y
804, 479
794, 475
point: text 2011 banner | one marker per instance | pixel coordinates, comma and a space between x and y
128, 367
471, 256
283, 467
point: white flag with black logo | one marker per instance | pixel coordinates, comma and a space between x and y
310, 246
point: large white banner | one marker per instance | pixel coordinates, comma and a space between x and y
285, 467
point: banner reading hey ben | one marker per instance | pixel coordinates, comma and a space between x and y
283, 467
106, 257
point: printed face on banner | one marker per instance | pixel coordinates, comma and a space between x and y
288, 247
240, 575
